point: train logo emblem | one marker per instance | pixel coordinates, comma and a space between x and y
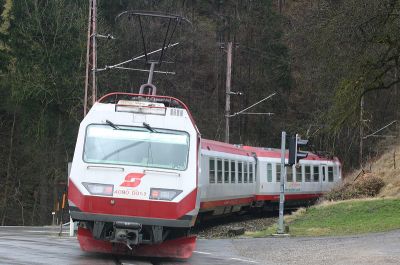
132, 180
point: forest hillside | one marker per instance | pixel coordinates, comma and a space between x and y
334, 66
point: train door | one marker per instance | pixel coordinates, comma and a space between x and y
324, 176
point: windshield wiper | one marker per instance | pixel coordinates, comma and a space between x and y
112, 125
148, 127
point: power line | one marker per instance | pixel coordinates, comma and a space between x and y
258, 102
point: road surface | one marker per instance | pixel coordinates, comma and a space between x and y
43, 245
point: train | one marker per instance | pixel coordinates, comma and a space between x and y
142, 176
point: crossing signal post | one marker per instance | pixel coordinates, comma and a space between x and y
295, 152
296, 144
282, 185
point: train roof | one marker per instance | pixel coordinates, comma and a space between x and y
224, 147
167, 101
276, 153
251, 150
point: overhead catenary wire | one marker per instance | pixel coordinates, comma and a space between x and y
107, 67
374, 133
144, 70
144, 43
258, 102
257, 113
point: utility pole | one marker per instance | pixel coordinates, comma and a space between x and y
90, 77
228, 90
91, 59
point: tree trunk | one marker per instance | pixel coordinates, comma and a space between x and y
35, 195
8, 172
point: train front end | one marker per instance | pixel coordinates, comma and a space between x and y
133, 180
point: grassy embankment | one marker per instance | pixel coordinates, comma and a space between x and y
342, 218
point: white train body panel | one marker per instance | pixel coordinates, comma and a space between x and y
300, 185
224, 188
225, 194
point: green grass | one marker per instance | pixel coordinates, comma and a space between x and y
343, 218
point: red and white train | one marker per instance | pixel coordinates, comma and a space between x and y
141, 175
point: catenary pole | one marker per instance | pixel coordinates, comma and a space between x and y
91, 59
228, 90
94, 53
361, 131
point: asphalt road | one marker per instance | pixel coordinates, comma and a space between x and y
42, 245
369, 249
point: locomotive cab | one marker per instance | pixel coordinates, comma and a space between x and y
133, 179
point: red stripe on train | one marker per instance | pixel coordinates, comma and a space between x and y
288, 197
131, 207
212, 204
248, 200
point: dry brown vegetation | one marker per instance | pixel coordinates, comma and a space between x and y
379, 178
387, 168
367, 185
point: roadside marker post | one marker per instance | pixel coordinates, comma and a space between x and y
54, 215
71, 222
71, 227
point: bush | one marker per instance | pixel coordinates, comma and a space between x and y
366, 186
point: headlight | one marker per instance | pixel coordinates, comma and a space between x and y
99, 189
163, 194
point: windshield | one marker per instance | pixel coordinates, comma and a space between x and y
136, 146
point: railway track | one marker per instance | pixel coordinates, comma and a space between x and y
221, 227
